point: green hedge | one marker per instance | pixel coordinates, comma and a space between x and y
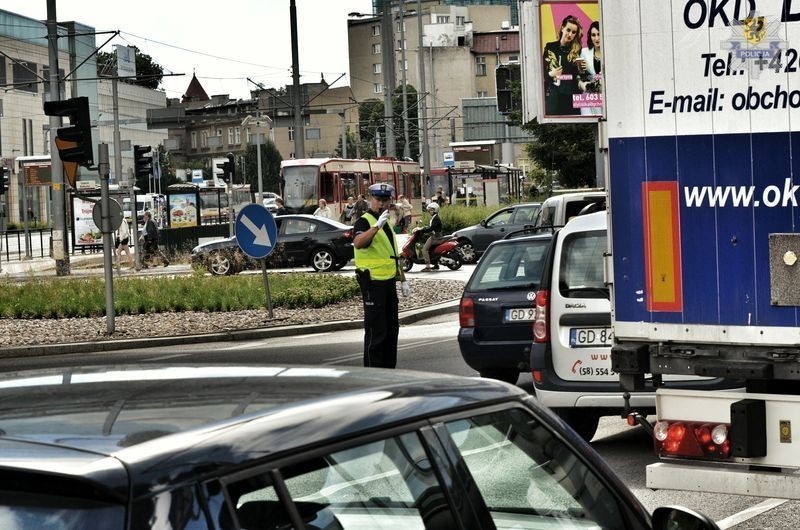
86, 297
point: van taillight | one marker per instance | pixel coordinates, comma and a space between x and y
466, 313
541, 330
692, 439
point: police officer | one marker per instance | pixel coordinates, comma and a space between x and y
378, 270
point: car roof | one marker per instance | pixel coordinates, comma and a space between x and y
153, 423
590, 221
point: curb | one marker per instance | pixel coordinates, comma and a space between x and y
405, 317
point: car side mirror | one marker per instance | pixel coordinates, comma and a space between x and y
677, 517
483, 223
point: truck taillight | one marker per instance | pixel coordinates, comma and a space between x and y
466, 313
692, 439
541, 330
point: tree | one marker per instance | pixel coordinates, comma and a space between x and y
351, 145
270, 167
370, 125
413, 123
566, 149
148, 73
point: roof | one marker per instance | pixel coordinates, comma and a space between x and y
496, 42
195, 91
167, 421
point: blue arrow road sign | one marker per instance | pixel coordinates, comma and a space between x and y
256, 231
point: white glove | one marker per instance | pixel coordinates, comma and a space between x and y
405, 288
382, 219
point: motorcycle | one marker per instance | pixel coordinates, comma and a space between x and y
447, 253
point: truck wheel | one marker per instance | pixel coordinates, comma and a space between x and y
507, 375
583, 421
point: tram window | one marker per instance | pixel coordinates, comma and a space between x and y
349, 186
326, 187
413, 193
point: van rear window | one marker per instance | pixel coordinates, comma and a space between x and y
510, 266
582, 265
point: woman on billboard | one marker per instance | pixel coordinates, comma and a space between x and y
563, 65
590, 83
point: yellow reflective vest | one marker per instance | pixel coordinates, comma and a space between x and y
380, 256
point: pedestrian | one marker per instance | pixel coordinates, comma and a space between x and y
439, 198
377, 271
280, 208
150, 241
405, 209
347, 211
323, 210
121, 242
360, 208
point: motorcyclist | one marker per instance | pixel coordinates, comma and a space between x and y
435, 229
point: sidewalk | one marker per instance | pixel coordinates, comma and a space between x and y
43, 266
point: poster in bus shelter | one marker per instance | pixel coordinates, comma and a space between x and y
182, 210
85, 232
562, 70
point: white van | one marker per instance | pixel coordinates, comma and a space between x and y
558, 209
572, 334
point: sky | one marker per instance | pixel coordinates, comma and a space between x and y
223, 45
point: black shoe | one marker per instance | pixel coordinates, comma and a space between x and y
436, 267
166, 263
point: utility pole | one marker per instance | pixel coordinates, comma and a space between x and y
59, 242
421, 105
299, 134
388, 77
406, 143
106, 229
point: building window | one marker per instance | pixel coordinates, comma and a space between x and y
204, 139
400, 65
291, 134
230, 135
401, 44
376, 30
480, 65
376, 68
194, 139
25, 72
442, 19
219, 133
237, 135
483, 94
2, 70
399, 29
46, 75
376, 49
377, 88
459, 20
312, 134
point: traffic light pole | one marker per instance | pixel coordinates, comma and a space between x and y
59, 239
105, 228
131, 180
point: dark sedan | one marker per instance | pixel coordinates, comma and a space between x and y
475, 239
498, 305
139, 447
303, 240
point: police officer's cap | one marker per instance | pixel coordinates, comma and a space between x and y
381, 190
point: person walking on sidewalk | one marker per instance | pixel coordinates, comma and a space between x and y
121, 243
150, 240
377, 271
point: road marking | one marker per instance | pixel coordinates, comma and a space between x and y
749, 513
167, 357
272, 341
360, 355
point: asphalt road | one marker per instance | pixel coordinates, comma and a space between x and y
430, 345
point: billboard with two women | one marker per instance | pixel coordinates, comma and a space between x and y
562, 61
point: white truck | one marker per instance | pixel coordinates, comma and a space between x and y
702, 129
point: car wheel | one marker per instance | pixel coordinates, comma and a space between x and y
468, 254
323, 260
583, 421
406, 264
220, 263
507, 375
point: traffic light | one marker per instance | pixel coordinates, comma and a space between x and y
6, 177
74, 143
143, 165
228, 169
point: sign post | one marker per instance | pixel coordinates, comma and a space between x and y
256, 234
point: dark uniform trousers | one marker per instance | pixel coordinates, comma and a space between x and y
380, 322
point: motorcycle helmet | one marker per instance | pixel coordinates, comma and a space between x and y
433, 206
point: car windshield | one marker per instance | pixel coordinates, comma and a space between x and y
517, 266
581, 274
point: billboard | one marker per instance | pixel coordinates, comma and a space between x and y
562, 61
